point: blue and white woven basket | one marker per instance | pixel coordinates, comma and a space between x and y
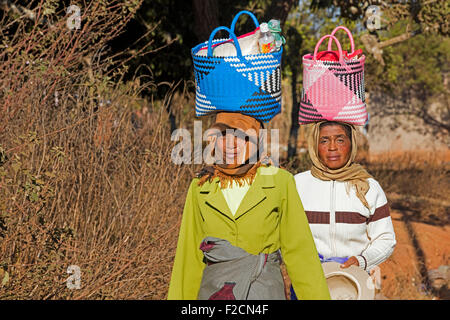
249, 84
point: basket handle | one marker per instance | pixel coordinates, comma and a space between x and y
236, 17
352, 43
341, 58
232, 35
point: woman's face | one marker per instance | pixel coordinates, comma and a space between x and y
233, 148
334, 146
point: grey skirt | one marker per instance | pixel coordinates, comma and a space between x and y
232, 273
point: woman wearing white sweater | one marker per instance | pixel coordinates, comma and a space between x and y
346, 208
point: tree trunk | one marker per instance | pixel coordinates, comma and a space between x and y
279, 10
206, 14
292, 60
293, 132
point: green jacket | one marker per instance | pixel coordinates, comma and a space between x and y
270, 217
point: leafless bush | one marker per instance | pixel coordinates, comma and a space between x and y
85, 171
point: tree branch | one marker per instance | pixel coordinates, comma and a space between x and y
374, 47
279, 10
397, 39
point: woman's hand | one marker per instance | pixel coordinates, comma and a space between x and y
350, 262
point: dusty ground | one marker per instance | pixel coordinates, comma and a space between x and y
420, 247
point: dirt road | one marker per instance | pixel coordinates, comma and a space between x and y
420, 247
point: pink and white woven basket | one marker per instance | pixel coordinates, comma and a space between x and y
333, 90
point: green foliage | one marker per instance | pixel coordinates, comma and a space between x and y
418, 63
49, 7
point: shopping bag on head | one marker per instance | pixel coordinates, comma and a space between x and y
248, 84
333, 86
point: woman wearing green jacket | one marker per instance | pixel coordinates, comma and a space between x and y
237, 218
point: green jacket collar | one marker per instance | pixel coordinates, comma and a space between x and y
254, 196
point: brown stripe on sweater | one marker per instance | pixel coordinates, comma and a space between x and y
322, 217
318, 217
380, 213
350, 217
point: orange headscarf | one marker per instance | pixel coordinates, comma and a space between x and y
239, 172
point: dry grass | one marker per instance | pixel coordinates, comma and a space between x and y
85, 171
111, 209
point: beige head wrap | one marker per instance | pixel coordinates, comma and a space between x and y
352, 173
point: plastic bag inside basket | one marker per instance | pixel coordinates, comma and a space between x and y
248, 43
334, 55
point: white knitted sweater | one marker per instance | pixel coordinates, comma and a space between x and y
342, 226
